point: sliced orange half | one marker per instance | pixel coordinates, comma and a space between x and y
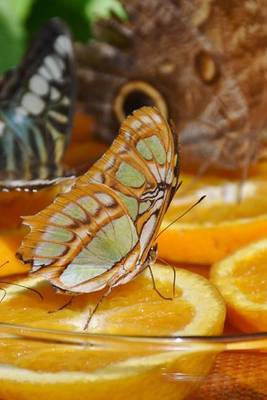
242, 280
55, 370
217, 226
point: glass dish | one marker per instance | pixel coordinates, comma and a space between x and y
93, 366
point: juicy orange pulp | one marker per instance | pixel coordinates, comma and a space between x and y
71, 371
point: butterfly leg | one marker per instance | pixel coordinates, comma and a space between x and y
39, 294
174, 275
3, 295
4, 263
62, 307
2, 289
157, 290
91, 313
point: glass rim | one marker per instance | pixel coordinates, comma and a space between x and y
238, 342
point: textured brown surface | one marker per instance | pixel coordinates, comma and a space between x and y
236, 376
208, 60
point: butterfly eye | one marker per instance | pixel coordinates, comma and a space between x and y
137, 94
206, 68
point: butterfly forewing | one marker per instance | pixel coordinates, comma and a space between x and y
99, 233
36, 108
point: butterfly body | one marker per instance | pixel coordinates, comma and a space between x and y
36, 109
202, 63
100, 233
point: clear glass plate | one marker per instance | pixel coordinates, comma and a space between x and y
51, 364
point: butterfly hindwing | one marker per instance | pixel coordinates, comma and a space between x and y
36, 107
100, 232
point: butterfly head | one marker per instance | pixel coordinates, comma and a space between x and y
152, 255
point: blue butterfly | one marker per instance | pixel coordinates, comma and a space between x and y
36, 111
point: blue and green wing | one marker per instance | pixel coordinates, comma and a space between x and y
36, 108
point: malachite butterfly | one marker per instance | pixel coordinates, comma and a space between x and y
36, 111
100, 234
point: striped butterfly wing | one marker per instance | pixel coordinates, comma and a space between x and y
99, 234
36, 109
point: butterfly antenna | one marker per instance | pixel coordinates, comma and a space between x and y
65, 305
24, 287
181, 215
16, 284
92, 313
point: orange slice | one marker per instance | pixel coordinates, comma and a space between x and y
219, 225
242, 280
55, 370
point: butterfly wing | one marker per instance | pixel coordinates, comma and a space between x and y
197, 59
36, 108
146, 60
99, 233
